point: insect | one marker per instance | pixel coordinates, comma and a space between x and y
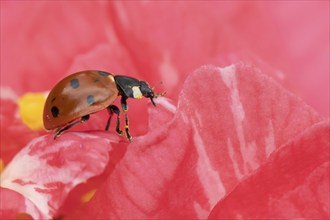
77, 96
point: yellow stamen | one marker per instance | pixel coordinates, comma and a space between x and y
23, 215
88, 196
2, 165
31, 106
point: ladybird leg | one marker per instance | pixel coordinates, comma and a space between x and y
110, 111
60, 131
114, 109
125, 108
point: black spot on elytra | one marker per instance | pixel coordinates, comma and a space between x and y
103, 73
90, 100
97, 80
55, 111
74, 83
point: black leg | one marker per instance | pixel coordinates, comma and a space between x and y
125, 108
152, 101
59, 131
114, 109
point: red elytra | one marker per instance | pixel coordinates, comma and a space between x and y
68, 99
87, 92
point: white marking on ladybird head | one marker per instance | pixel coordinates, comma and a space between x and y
111, 78
137, 94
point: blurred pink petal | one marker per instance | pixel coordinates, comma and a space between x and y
45, 171
52, 34
292, 38
183, 168
292, 184
165, 41
11, 127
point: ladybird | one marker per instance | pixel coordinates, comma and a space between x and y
78, 95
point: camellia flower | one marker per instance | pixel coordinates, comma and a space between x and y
232, 138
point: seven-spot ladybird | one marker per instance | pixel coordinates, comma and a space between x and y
77, 96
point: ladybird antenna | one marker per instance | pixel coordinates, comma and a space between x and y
153, 102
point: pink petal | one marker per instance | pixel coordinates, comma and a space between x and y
13, 204
45, 171
227, 123
292, 184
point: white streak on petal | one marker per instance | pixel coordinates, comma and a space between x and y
28, 191
208, 176
229, 78
270, 139
234, 160
201, 213
31, 210
184, 117
31, 174
248, 150
250, 155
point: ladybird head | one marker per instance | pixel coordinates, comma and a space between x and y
148, 92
